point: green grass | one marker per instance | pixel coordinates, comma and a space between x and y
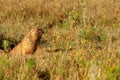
81, 39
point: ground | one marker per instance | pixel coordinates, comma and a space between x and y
81, 39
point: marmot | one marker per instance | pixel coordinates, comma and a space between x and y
29, 42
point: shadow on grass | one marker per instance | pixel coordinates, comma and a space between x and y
44, 75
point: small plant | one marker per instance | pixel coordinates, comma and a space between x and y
5, 45
2, 74
119, 35
103, 37
31, 63
4, 60
113, 72
83, 34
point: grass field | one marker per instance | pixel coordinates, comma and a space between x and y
81, 39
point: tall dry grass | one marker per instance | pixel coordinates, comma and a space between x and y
81, 40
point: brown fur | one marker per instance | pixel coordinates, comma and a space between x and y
29, 42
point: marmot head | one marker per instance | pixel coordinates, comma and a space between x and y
36, 33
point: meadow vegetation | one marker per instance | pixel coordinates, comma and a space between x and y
81, 39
